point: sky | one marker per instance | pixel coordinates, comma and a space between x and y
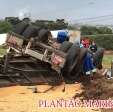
75, 11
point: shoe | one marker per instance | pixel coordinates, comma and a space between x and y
94, 70
88, 73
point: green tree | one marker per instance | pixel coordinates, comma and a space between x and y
104, 30
89, 30
52, 25
104, 41
5, 26
12, 20
27, 20
92, 30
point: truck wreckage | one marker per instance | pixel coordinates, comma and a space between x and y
32, 58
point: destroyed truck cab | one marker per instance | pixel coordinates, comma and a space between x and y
36, 49
67, 60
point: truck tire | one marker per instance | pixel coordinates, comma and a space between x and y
20, 27
65, 46
98, 56
30, 31
43, 35
73, 66
78, 65
71, 61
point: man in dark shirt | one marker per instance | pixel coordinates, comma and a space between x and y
93, 47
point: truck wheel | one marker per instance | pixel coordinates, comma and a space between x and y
65, 46
77, 67
20, 27
71, 61
98, 56
31, 31
43, 35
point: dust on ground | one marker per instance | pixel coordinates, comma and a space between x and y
22, 98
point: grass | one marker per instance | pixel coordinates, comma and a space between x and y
107, 60
2, 51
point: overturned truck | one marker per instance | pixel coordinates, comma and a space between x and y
31, 51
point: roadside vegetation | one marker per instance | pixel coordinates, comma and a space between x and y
2, 51
107, 60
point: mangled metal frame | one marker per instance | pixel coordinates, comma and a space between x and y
15, 42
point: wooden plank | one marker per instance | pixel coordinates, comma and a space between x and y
49, 48
34, 54
16, 50
21, 61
